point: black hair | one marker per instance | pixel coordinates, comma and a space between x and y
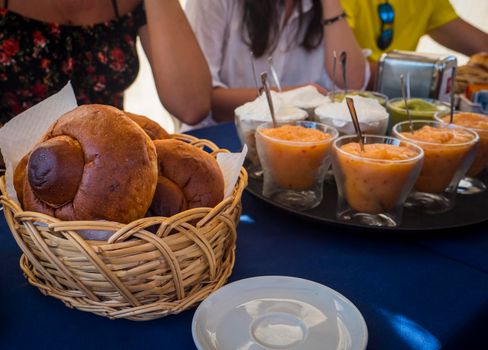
261, 25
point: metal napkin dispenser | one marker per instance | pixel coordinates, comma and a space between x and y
430, 74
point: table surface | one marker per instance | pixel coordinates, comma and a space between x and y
414, 292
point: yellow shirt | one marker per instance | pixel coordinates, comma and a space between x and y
413, 18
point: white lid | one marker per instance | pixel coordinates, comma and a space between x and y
258, 110
368, 110
304, 97
278, 312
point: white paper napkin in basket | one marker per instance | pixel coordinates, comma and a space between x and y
230, 164
21, 134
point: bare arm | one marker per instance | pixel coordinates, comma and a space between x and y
339, 36
461, 36
226, 100
180, 71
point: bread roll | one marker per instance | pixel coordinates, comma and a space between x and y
56, 161
188, 178
480, 59
153, 129
473, 73
19, 177
94, 163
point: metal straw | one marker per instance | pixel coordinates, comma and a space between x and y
355, 121
334, 66
273, 73
404, 95
343, 59
264, 80
254, 73
408, 85
453, 78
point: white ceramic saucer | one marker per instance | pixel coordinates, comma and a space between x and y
278, 312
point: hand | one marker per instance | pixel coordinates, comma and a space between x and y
321, 89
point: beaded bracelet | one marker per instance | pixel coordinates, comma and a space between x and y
328, 21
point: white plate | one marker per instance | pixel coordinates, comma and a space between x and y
278, 312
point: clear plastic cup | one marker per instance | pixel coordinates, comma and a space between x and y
294, 170
478, 123
449, 151
246, 128
373, 185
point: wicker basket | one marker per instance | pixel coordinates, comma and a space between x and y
136, 274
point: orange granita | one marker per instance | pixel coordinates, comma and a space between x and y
296, 133
294, 154
469, 120
439, 135
374, 179
478, 123
379, 151
445, 150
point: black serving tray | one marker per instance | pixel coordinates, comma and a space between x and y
469, 210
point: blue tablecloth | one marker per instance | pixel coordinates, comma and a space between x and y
413, 294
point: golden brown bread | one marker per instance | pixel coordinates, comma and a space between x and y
472, 73
19, 177
56, 161
169, 198
153, 129
188, 178
119, 170
479, 59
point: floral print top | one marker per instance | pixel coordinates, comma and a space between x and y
37, 59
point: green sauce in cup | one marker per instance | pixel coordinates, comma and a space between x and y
420, 108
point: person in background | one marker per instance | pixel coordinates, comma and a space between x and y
92, 43
298, 35
387, 25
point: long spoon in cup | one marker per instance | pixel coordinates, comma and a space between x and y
273, 73
264, 80
355, 121
334, 66
343, 59
453, 77
253, 67
404, 95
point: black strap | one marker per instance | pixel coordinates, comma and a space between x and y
116, 8
5, 4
